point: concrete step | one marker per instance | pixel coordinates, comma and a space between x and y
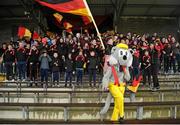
84, 113
85, 98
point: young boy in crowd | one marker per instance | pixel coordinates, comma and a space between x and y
44, 60
33, 63
93, 65
21, 61
155, 62
69, 70
9, 60
55, 68
79, 67
146, 63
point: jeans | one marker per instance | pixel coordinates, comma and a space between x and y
2, 68
21, 69
92, 74
9, 70
55, 76
79, 73
154, 72
68, 76
44, 75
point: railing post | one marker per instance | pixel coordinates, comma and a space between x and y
25, 112
174, 112
35, 98
70, 97
139, 112
162, 96
132, 97
4, 97
178, 86
8, 97
175, 85
101, 117
66, 114
38, 97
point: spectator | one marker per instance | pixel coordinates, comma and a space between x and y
9, 59
166, 52
93, 65
2, 51
79, 67
154, 65
21, 61
44, 60
33, 61
69, 70
136, 64
55, 68
146, 63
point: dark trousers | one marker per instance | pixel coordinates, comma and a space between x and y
173, 64
21, 69
33, 71
79, 73
166, 63
147, 73
178, 61
2, 68
9, 70
44, 75
56, 76
68, 76
135, 72
154, 72
92, 74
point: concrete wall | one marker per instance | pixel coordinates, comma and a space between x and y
141, 25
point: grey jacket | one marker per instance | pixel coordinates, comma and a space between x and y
44, 60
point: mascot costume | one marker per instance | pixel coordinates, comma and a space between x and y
115, 79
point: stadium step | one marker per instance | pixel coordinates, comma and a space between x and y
84, 111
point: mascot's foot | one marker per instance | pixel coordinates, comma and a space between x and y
121, 120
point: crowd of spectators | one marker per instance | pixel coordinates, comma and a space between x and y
79, 54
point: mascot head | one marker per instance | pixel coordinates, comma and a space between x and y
120, 54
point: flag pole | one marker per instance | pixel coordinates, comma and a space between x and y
97, 30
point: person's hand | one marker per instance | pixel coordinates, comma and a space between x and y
13, 64
96, 67
45, 54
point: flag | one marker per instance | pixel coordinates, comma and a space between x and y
35, 35
24, 32
58, 17
135, 84
21, 31
67, 25
69, 31
76, 7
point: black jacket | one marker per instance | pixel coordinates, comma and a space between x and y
33, 56
69, 65
9, 56
93, 62
55, 64
21, 54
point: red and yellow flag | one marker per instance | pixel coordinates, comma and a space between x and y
24, 32
58, 17
35, 35
67, 25
76, 7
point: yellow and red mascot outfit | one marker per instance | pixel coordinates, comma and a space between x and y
115, 79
